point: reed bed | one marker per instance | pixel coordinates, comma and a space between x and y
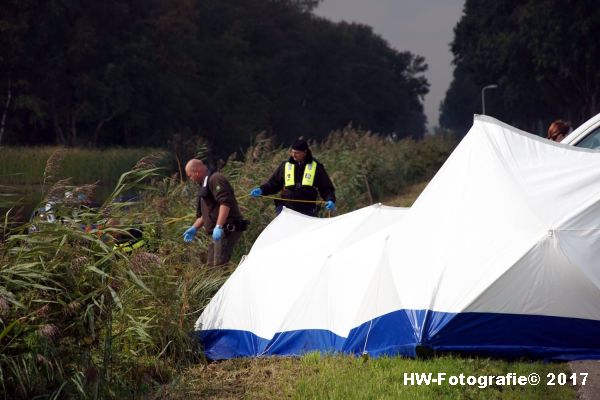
81, 319
26, 165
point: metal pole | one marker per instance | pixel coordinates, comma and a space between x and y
492, 86
483, 100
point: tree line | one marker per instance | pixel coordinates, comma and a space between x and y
543, 55
140, 72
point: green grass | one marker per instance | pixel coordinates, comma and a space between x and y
315, 376
25, 176
25, 165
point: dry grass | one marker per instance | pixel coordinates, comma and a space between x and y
407, 197
256, 378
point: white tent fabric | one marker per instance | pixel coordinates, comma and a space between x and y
500, 255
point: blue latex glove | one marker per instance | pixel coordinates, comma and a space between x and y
217, 233
330, 205
189, 234
256, 192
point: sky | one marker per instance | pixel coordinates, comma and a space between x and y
423, 27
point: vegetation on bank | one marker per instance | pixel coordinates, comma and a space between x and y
25, 166
316, 376
81, 319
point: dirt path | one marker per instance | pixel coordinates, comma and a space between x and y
591, 390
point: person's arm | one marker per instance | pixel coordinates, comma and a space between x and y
223, 194
275, 183
324, 184
190, 233
223, 214
198, 223
199, 220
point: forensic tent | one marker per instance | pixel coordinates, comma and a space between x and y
499, 256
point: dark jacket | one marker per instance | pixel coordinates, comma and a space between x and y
217, 191
322, 184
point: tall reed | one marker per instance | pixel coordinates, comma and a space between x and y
26, 165
81, 319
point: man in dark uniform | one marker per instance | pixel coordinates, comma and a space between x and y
217, 211
299, 178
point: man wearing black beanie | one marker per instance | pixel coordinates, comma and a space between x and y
301, 178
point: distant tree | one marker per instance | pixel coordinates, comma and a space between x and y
531, 50
305, 5
461, 102
17, 102
139, 72
561, 37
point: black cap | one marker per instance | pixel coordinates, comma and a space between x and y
300, 145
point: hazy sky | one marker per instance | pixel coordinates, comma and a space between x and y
423, 27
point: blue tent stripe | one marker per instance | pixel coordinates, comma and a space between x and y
390, 334
221, 344
399, 333
305, 341
515, 335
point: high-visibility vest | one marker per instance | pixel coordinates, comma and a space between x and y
132, 243
129, 246
308, 178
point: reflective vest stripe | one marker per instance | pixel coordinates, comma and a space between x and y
309, 174
289, 174
127, 247
308, 178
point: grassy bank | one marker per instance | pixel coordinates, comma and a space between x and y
80, 319
25, 166
27, 173
314, 376
365, 168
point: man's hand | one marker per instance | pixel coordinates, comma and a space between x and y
330, 205
217, 233
256, 192
189, 234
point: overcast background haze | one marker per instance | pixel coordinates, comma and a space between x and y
422, 27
